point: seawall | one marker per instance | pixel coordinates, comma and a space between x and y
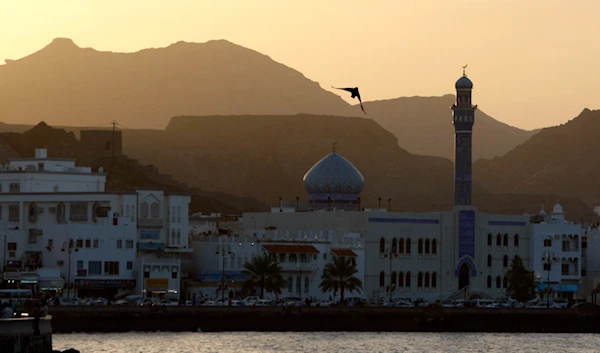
211, 319
17, 336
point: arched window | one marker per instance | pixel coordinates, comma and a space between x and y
489, 239
178, 236
154, 210
172, 236
144, 210
290, 283
178, 213
426, 279
401, 279
306, 284
505, 239
382, 279
401, 246
407, 282
382, 245
394, 246
420, 246
516, 241
420, 280
498, 282
489, 282
60, 213
407, 246
434, 246
393, 278
299, 284
490, 260
33, 212
426, 246
433, 280
505, 261
505, 282
498, 240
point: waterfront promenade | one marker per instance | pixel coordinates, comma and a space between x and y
213, 319
17, 335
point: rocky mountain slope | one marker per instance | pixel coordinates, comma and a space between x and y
423, 125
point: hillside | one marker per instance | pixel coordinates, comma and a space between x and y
73, 86
423, 125
562, 160
125, 174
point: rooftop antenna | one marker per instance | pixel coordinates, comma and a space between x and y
464, 67
334, 146
114, 124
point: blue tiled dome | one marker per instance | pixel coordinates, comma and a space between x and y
464, 83
333, 175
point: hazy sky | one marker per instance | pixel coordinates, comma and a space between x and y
533, 63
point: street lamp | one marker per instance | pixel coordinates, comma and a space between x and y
549, 258
390, 253
223, 250
69, 246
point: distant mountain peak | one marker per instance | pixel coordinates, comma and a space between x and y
62, 43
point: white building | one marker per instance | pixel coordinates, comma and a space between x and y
56, 216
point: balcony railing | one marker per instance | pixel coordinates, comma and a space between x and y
305, 267
150, 222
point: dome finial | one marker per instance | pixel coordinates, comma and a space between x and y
464, 67
334, 146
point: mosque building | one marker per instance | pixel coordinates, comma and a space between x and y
428, 255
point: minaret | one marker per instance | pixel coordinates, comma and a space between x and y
463, 119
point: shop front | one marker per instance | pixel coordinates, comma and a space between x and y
103, 288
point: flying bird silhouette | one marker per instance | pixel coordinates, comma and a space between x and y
355, 94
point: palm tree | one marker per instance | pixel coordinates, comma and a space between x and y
264, 273
339, 274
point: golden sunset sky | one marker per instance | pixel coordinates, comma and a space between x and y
533, 63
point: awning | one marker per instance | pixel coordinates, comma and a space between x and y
291, 249
31, 278
563, 287
344, 252
51, 283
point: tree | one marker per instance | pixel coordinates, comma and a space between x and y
264, 273
339, 275
521, 282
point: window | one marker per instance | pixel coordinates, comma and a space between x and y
130, 265
401, 246
79, 265
426, 279
420, 280
111, 268
95, 243
174, 274
144, 210
290, 283
12, 246
129, 244
107, 146
50, 243
505, 239
88, 243
434, 246
407, 246
401, 279
498, 240
60, 213
14, 187
32, 212
393, 278
79, 243
94, 267
407, 282
489, 239
119, 244
32, 236
306, 284
565, 269
548, 242
565, 245
505, 261
498, 282
427, 246
505, 282
516, 240
547, 267
13, 213
154, 208
178, 237
394, 246
79, 211
298, 285
382, 279
178, 213
420, 246
489, 261
382, 245
433, 280
489, 282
